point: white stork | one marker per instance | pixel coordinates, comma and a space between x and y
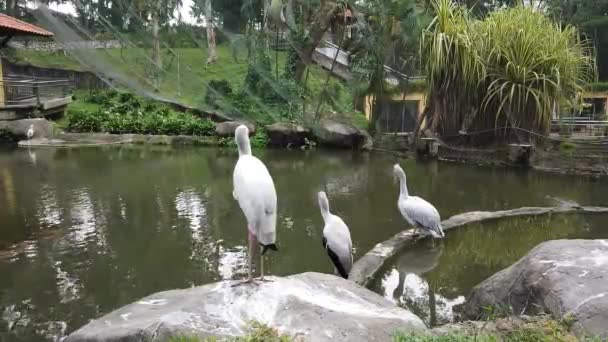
257, 197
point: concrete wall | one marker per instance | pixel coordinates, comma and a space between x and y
51, 46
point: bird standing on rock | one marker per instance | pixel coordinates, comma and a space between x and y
418, 212
30, 132
336, 239
255, 192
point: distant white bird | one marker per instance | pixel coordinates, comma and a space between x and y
257, 197
30, 132
418, 212
336, 239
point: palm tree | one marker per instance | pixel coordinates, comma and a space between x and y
507, 70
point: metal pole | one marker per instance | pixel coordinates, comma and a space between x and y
179, 88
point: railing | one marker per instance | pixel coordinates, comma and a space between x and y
580, 126
20, 91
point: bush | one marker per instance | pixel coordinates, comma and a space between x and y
218, 91
122, 112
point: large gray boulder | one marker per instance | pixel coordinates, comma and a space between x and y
227, 128
565, 278
336, 134
18, 128
287, 134
312, 306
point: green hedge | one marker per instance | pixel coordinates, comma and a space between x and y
118, 112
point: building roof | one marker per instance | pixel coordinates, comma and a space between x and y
10, 26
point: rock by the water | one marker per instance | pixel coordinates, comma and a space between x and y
18, 128
311, 306
336, 134
227, 128
367, 142
284, 134
565, 278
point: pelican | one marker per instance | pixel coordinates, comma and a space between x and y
257, 197
30, 132
336, 239
418, 212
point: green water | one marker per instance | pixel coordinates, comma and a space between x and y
84, 231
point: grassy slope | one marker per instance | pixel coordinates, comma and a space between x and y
194, 73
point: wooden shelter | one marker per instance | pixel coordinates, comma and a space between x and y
25, 95
11, 27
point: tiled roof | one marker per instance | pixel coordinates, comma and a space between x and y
17, 27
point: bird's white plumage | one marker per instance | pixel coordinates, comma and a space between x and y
255, 192
336, 234
30, 132
417, 211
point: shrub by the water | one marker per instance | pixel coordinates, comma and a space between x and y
121, 112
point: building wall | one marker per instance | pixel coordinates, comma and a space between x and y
421, 98
413, 96
1, 85
79, 79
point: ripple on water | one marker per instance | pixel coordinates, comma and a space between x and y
190, 206
49, 212
84, 224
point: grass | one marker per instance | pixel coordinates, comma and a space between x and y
194, 74
258, 333
542, 329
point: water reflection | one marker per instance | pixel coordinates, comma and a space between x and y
431, 279
190, 206
404, 286
87, 230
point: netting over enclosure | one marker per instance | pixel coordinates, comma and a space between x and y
265, 60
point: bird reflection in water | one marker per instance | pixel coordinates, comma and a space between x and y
404, 285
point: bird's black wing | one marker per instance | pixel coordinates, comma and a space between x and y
335, 260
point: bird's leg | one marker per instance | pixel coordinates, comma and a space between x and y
250, 251
262, 269
415, 232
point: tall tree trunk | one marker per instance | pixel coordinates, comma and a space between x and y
211, 46
266, 24
319, 26
12, 8
156, 58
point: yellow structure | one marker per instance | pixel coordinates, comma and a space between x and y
1, 85
593, 97
416, 96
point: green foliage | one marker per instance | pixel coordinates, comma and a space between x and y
260, 139
543, 330
121, 112
506, 70
599, 86
389, 37
567, 147
590, 17
285, 99
217, 92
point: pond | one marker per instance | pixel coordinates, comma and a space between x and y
84, 231
432, 278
